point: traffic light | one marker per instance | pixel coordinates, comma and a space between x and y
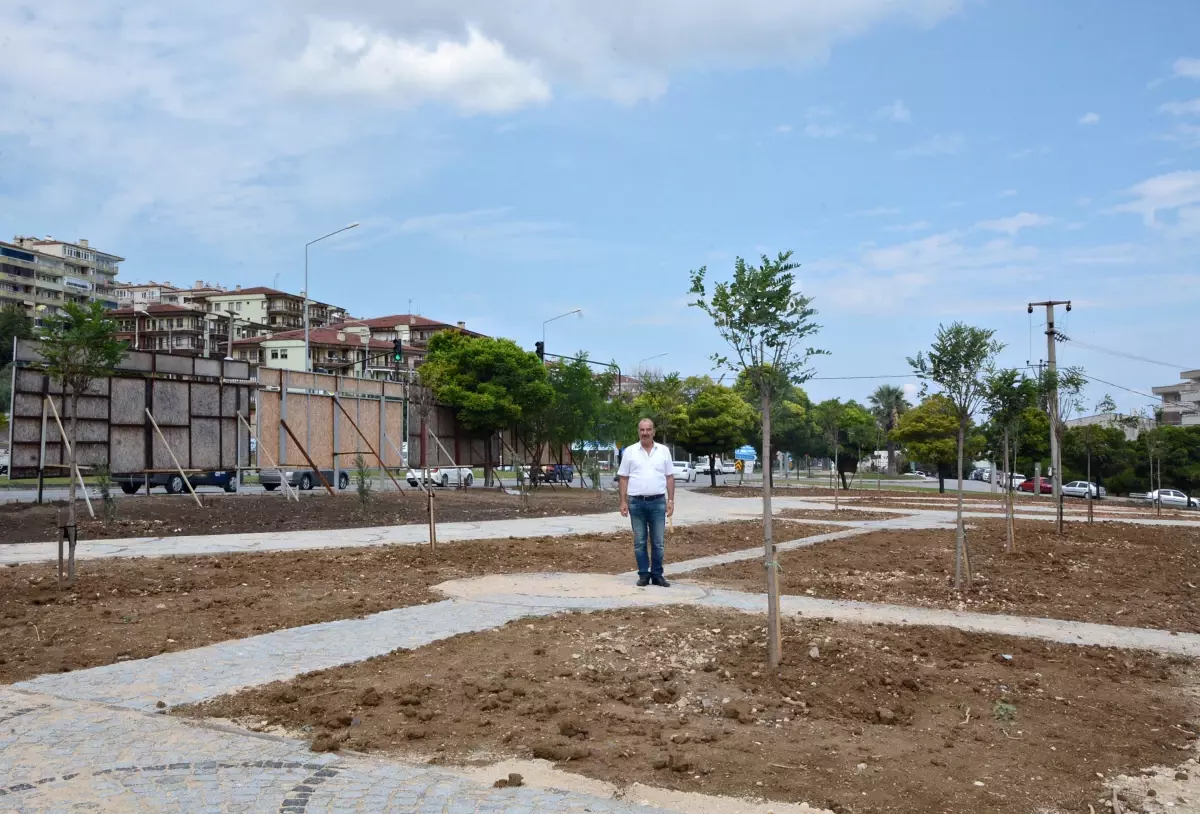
397, 352
541, 351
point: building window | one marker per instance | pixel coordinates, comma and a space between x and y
274, 353
283, 353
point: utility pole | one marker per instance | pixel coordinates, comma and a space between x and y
1055, 452
229, 351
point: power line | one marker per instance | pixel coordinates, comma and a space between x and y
1123, 354
844, 378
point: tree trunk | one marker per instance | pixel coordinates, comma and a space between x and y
73, 462
487, 463
774, 642
835, 469
891, 450
961, 560
712, 468
1089, 486
1008, 506
941, 480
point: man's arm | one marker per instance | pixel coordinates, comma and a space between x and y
624, 481
670, 494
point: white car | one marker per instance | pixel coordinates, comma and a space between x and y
1081, 488
442, 476
685, 471
1171, 497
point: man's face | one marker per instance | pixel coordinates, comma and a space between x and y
646, 431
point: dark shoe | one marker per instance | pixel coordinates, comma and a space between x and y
643, 582
660, 582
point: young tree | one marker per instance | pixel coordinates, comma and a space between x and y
1067, 384
79, 345
575, 413
663, 400
957, 363
14, 324
928, 433
766, 322
887, 405
718, 420
1105, 407
1009, 394
492, 384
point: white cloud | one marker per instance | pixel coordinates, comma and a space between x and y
1188, 108
1089, 118
897, 111
1175, 192
1011, 225
1187, 68
876, 212
1185, 135
783, 128
1029, 152
493, 231
935, 146
824, 130
915, 226
911, 391
1007, 193
475, 75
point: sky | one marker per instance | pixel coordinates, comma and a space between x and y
926, 161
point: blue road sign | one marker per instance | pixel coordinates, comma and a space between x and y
746, 453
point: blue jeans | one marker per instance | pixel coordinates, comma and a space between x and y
649, 518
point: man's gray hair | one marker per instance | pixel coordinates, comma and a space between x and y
647, 418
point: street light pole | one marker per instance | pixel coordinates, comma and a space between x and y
648, 358
307, 358
560, 316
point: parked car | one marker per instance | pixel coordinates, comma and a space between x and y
302, 479
1172, 497
703, 468
917, 474
4, 463
685, 471
173, 481
441, 476
557, 473
1015, 479
1047, 486
1081, 488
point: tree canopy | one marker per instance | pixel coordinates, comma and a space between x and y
718, 420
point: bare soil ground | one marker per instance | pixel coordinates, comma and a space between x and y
857, 719
1112, 573
794, 490
163, 516
135, 608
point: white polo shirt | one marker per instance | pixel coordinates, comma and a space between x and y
647, 471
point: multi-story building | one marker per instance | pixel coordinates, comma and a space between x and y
87, 274
152, 293
39, 276
347, 351
1133, 426
413, 330
1181, 402
278, 310
172, 329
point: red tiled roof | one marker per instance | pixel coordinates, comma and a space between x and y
260, 289
323, 336
410, 320
161, 308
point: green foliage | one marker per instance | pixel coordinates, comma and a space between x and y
576, 410
104, 484
363, 481
763, 319
663, 401
929, 432
492, 384
1110, 451
846, 430
887, 405
958, 363
1004, 711
792, 427
718, 420
5, 389
14, 322
80, 345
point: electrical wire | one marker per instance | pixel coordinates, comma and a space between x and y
1123, 354
843, 378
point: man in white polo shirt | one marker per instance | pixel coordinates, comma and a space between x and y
647, 476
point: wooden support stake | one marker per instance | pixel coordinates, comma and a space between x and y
287, 487
304, 452
67, 444
382, 465
174, 460
432, 524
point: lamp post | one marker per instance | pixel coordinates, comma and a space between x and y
137, 311
560, 316
648, 358
307, 359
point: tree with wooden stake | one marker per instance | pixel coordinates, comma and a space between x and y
958, 363
1061, 391
766, 322
1009, 394
79, 345
1105, 407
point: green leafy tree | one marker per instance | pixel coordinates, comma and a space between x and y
576, 412
958, 363
929, 435
718, 420
887, 405
1009, 394
78, 345
14, 324
767, 324
363, 481
663, 400
791, 418
492, 384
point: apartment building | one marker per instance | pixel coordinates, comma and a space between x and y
39, 276
349, 351
278, 310
87, 273
1181, 402
172, 329
413, 330
152, 293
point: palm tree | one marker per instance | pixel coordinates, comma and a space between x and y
887, 405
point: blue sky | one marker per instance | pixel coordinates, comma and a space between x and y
926, 161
